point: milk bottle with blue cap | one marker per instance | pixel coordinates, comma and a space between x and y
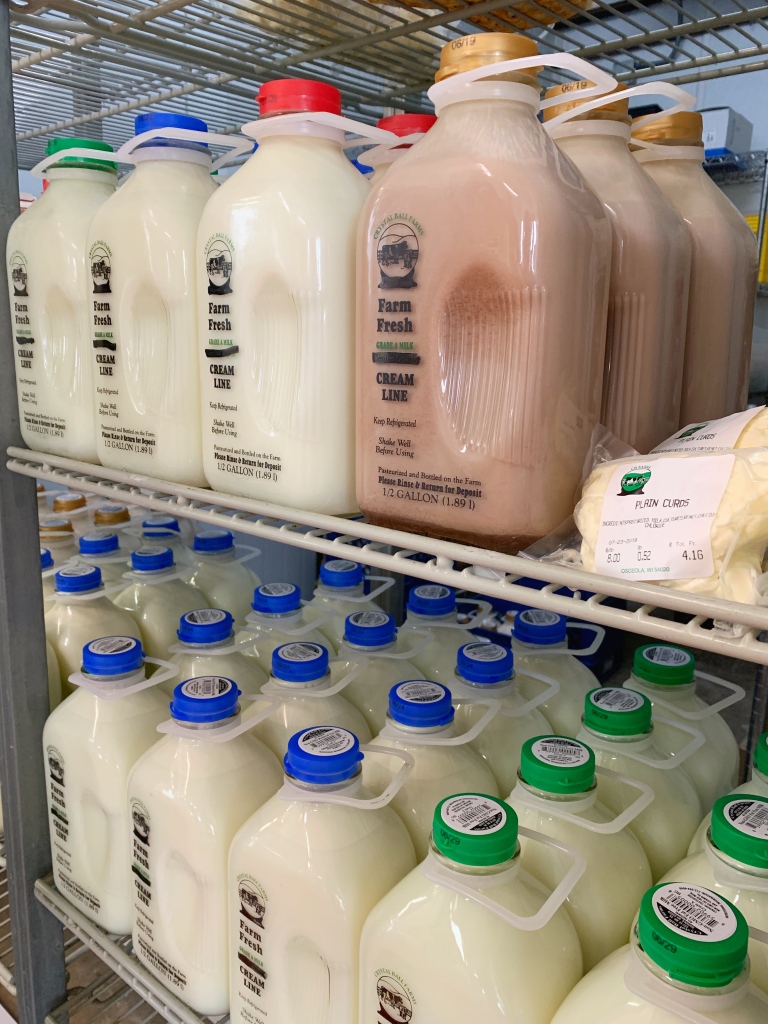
469, 935
58, 535
47, 573
277, 617
434, 607
141, 247
91, 742
170, 533
103, 549
157, 596
50, 285
420, 721
341, 591
304, 872
206, 647
187, 797
222, 578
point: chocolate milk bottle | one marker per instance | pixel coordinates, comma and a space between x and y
721, 300
482, 298
650, 268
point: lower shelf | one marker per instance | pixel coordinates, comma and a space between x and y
105, 1000
6, 944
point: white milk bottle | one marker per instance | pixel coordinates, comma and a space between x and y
734, 863
487, 672
47, 573
420, 721
187, 798
412, 126
469, 935
276, 283
49, 287
556, 794
620, 729
277, 617
340, 591
374, 636
157, 597
141, 248
55, 695
304, 872
432, 606
301, 681
168, 532
207, 647
540, 644
91, 742
667, 675
758, 784
58, 535
75, 507
103, 549
687, 962
223, 580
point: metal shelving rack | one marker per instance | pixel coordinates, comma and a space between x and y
84, 68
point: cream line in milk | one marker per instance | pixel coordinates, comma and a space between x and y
207, 647
434, 607
341, 591
220, 572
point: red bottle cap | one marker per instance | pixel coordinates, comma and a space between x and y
292, 95
407, 124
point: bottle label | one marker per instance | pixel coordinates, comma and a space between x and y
206, 687
340, 565
395, 1001
616, 698
694, 912
560, 752
710, 436
432, 592
748, 816
76, 570
471, 814
252, 904
369, 618
418, 692
277, 589
112, 645
662, 655
301, 652
326, 741
484, 652
538, 617
205, 616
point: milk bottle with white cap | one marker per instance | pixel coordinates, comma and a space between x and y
556, 794
341, 591
469, 935
432, 606
401, 125
91, 742
420, 721
49, 287
301, 681
207, 647
58, 535
734, 863
223, 580
540, 644
619, 727
277, 617
187, 797
141, 248
157, 597
103, 549
304, 872
47, 572
168, 532
687, 961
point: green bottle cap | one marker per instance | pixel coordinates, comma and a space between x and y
557, 764
476, 830
664, 665
760, 760
694, 935
62, 145
617, 711
740, 828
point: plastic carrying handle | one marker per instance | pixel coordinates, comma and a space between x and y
258, 627
675, 760
465, 694
683, 101
426, 740
285, 693
483, 609
280, 124
229, 730
427, 636
585, 652
385, 583
736, 694
552, 688
106, 692
290, 791
438, 873
237, 146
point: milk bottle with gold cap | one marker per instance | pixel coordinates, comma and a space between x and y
723, 268
650, 267
58, 535
481, 336
75, 507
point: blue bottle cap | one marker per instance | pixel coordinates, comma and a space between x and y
536, 626
163, 119
485, 663
300, 662
205, 626
160, 521
420, 704
150, 558
46, 559
323, 755
99, 543
276, 598
77, 579
370, 629
432, 599
112, 656
205, 699
213, 540
340, 572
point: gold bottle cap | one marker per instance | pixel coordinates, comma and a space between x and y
55, 527
110, 515
41, 488
468, 52
618, 110
68, 502
681, 129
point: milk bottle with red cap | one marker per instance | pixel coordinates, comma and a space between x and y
276, 259
206, 647
382, 157
277, 617
222, 578
341, 591
434, 607
140, 255
103, 549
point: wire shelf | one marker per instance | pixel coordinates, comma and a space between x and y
107, 1000
6, 944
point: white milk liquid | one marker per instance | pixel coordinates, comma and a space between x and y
564, 710
438, 659
274, 630
112, 569
758, 785
157, 608
225, 583
369, 691
71, 623
203, 661
54, 687
336, 601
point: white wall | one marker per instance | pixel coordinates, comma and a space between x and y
744, 93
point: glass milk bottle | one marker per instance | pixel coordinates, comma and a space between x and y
91, 742
168, 532
304, 872
301, 681
340, 591
420, 721
490, 326
650, 269
207, 647
469, 935
277, 617
734, 863
556, 794
687, 961
619, 728
55, 695
141, 250
58, 535
157, 597
187, 797
103, 549
758, 785
119, 518
75, 507
721, 302
49, 287
382, 157
276, 257
432, 606
222, 579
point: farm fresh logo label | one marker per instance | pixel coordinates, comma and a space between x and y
394, 998
632, 483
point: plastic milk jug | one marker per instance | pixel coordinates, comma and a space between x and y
434, 607
207, 647
222, 578
758, 784
341, 591
277, 618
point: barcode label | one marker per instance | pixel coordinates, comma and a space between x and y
694, 912
472, 814
749, 817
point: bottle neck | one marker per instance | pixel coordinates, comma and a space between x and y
478, 873
571, 802
505, 688
216, 556
412, 732
289, 686
371, 650
339, 593
56, 175
425, 620
276, 618
660, 689
349, 787
636, 743
206, 648
748, 870
737, 989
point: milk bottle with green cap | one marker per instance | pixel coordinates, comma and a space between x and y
619, 727
434, 607
556, 794
758, 785
187, 797
686, 963
277, 617
341, 591
103, 549
468, 935
734, 863
304, 872
91, 742
51, 307
420, 721
206, 647
667, 675
223, 580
